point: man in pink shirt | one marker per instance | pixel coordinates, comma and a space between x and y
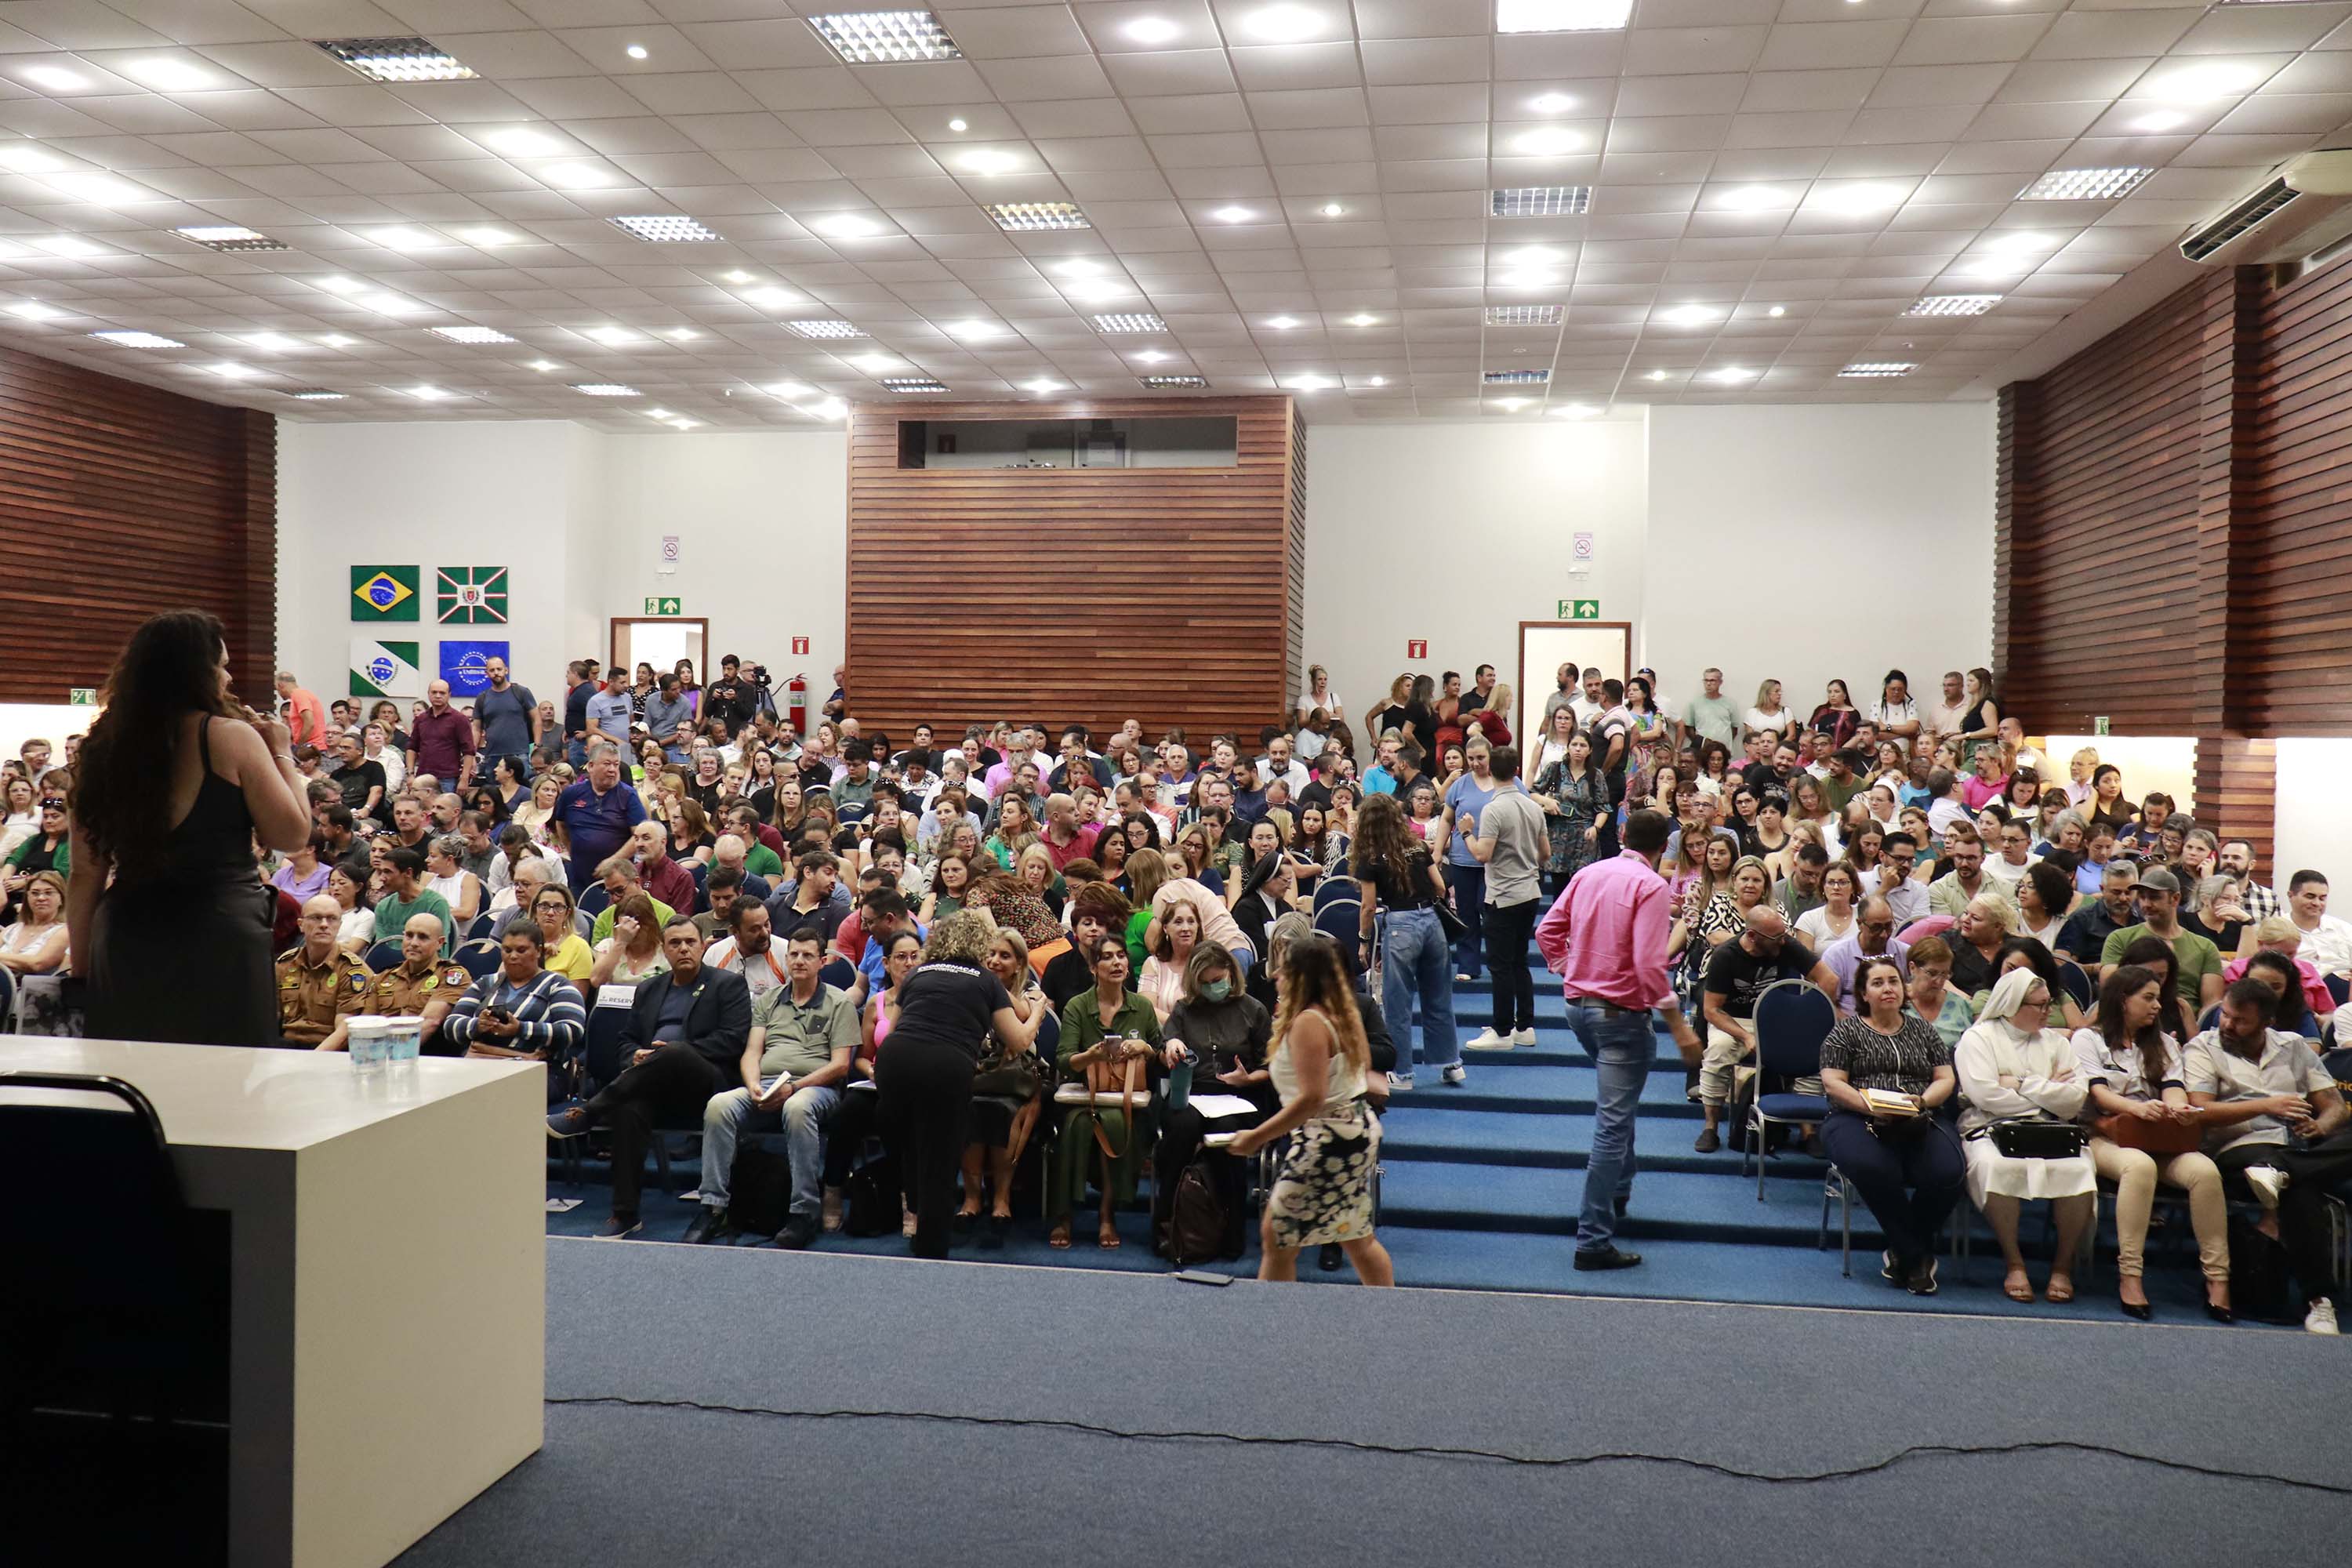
1606, 939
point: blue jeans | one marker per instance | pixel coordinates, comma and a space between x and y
1469, 885
576, 753
802, 1117
1621, 1045
1414, 959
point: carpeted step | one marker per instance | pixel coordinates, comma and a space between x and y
1541, 1090
1667, 1204
1560, 1143
1555, 1047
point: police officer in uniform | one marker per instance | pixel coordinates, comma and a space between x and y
320, 988
423, 984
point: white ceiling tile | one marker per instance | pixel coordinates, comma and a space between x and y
1308, 109
2106, 35
1299, 66
1073, 117
2313, 73
1170, 72
1189, 112
1714, 93
1428, 105
1787, 130
1680, 51
2071, 81
826, 87
1410, 61
1815, 46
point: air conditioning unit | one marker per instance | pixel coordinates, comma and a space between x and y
2302, 209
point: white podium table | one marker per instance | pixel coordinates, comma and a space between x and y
387, 1278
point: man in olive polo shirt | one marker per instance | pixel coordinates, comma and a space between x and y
320, 988
2158, 892
422, 986
405, 895
793, 1064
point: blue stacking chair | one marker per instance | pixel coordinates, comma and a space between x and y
383, 955
480, 957
592, 900
700, 871
1792, 1018
7, 1002
2077, 981
2338, 986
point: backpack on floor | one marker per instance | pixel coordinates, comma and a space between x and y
759, 1189
1196, 1219
873, 1199
2259, 1278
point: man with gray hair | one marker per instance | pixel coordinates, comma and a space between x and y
1873, 936
597, 812
1736, 974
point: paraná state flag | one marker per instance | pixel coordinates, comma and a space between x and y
385, 668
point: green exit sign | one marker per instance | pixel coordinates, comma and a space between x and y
1579, 609
83, 695
657, 605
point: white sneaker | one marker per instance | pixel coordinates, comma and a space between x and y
2321, 1319
2268, 1182
1400, 1081
1455, 1074
1488, 1040
1523, 1038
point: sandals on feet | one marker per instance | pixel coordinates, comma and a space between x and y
2016, 1286
2060, 1290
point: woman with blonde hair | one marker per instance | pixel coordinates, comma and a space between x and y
1388, 713
1318, 1063
1016, 830
1769, 717
1492, 717
1147, 873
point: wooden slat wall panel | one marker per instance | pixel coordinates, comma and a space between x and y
1171, 595
118, 500
2237, 794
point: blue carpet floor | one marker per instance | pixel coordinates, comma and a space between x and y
956, 1392
1481, 1183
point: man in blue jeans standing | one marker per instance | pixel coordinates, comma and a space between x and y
1606, 939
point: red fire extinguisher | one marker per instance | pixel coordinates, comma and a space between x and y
797, 703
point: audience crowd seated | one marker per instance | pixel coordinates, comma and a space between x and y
1064, 937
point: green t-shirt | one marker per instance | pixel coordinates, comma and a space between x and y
392, 916
2198, 956
61, 863
760, 861
800, 1040
604, 926
1715, 718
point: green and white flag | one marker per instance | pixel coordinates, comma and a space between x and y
385, 668
473, 595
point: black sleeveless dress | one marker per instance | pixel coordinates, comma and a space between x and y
182, 943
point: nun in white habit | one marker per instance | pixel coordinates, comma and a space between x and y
2014, 1067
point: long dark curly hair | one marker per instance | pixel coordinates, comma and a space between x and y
170, 667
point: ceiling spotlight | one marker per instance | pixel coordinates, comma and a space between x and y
1233, 214
398, 59
139, 339
989, 161
1282, 323
55, 78
844, 226
1551, 103
1360, 320
574, 176
1041, 385
1730, 374
1776, 312
974, 331
428, 394
1547, 143
612, 337
636, 51
542, 365
1377, 381
1151, 356
1308, 384
1656, 376
486, 239
1333, 209
470, 334
229, 370
886, 37
958, 126
34, 310
2161, 120
166, 74
1151, 30
522, 142
1561, 15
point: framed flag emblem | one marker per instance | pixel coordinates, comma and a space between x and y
471, 595
385, 668
465, 666
383, 593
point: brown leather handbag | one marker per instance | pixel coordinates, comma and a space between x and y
2150, 1137
1125, 1077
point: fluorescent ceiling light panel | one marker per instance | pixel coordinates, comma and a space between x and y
1561, 15
844, 226
470, 334
101, 189
34, 310
318, 395
1878, 368
605, 389
1030, 217
229, 370
1954, 305
56, 79
28, 158
1539, 201
1130, 322
166, 74
229, 237
1516, 377
1524, 315
1169, 383
913, 383
398, 59
1284, 24
2083, 185
665, 227
139, 339
886, 37
522, 142
824, 328
72, 247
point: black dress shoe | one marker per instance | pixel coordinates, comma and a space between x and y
708, 1225
2220, 1314
797, 1233
1330, 1257
2142, 1311
962, 1223
999, 1226
1593, 1257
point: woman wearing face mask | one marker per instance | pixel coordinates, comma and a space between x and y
1223, 1031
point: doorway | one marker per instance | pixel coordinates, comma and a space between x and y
660, 642
1545, 646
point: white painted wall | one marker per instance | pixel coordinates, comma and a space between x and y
2148, 763
2313, 830
1762, 519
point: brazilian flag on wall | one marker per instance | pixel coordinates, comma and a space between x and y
384, 592
473, 595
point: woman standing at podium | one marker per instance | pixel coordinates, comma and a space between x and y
175, 780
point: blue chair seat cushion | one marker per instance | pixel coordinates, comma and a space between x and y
1794, 1107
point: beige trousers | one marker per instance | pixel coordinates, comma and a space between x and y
2134, 1173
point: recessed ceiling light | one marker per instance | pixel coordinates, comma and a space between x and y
665, 227
34, 310
542, 365
958, 126
2083, 185
1547, 143
338, 285
72, 247
605, 389
1527, 277
844, 226
886, 37
774, 299
1561, 15
1524, 315
1360, 320
1954, 305
229, 370
1151, 30
989, 161
824, 328
974, 331
657, 414
1377, 381
102, 190
1514, 377
1532, 256
686, 424
738, 275
318, 395
873, 363
2204, 84
1753, 198
272, 343
166, 74
398, 59
428, 394
1731, 374
1332, 209
522, 142
1572, 411
1174, 383
1233, 214
913, 383
1282, 323
636, 51
1878, 369
1024, 217
1093, 288
56, 79
1776, 312
337, 341
470, 334
831, 408
401, 238
230, 237
1308, 383
681, 335
614, 337
1130, 322
789, 391
28, 158
1078, 266
574, 176
1539, 201
1859, 198
485, 238
1041, 385
1551, 103
1284, 25
139, 339
2161, 120
1511, 405
1151, 356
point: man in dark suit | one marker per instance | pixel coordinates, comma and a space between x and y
686, 1033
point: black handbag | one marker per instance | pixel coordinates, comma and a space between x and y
1456, 930
2033, 1139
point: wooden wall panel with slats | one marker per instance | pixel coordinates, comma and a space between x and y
118, 500
2237, 793
1170, 595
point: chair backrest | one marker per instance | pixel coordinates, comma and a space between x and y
383, 955
2338, 1063
480, 957
1049, 1037
485, 924
1342, 920
7, 1002
592, 899
583, 923
1792, 1019
1335, 886
601, 1051
2077, 981
2338, 986
51, 1248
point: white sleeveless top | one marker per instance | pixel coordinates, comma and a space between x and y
1344, 1087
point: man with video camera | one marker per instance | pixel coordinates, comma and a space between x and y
734, 697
